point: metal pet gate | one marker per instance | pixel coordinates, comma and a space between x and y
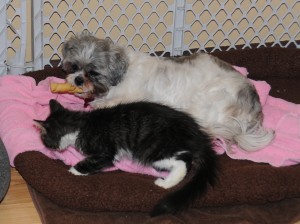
32, 32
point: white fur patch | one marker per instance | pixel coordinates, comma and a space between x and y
177, 170
71, 77
68, 140
75, 172
122, 153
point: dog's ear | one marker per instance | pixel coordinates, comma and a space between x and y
65, 48
69, 44
55, 106
118, 64
108, 40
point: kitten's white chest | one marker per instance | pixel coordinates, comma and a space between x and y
68, 140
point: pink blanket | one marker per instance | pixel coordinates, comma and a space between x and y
281, 116
21, 101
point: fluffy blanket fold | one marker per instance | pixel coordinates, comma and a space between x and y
21, 101
281, 116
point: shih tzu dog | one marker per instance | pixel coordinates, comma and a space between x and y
224, 102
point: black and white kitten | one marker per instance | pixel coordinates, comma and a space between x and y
152, 134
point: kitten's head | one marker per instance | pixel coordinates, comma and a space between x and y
58, 124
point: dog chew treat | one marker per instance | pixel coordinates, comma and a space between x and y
64, 88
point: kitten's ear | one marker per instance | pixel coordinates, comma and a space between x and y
40, 125
55, 106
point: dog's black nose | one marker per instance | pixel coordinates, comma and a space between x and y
79, 81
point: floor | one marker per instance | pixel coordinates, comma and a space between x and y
17, 207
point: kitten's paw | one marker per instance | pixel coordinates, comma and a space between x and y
75, 172
164, 183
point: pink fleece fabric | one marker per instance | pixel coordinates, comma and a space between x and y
279, 115
21, 101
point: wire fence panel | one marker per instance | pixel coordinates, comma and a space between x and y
142, 25
219, 25
13, 36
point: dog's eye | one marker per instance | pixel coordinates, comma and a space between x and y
93, 73
75, 67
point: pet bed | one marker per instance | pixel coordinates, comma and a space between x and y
247, 192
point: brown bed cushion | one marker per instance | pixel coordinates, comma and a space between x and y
241, 182
283, 212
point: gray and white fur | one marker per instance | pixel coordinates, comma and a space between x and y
224, 102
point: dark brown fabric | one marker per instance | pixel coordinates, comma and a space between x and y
240, 182
103, 195
277, 66
42, 74
282, 212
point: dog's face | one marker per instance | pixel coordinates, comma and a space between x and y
93, 64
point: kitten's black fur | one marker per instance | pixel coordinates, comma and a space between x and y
150, 132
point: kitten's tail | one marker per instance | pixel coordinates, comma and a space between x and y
205, 173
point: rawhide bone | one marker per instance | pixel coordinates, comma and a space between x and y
64, 88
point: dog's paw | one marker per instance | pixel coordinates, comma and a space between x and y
97, 103
76, 172
104, 103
